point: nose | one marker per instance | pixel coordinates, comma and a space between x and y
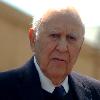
62, 46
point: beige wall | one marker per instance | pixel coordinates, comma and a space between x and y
14, 43
15, 48
89, 62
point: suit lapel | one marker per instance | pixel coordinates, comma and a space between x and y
31, 86
30, 82
82, 91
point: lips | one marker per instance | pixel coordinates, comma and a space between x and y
59, 59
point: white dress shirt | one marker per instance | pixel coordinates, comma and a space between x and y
46, 83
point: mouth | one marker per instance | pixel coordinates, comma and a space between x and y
58, 59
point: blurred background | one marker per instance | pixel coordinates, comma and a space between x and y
16, 18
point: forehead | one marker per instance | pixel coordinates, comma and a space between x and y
61, 20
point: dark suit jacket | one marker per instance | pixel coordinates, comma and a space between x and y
24, 84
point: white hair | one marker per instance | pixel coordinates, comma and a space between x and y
37, 16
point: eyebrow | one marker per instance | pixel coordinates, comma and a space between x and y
74, 34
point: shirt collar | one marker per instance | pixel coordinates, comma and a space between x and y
47, 83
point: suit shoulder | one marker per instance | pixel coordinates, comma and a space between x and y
10, 75
86, 80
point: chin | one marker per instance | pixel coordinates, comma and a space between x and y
57, 75
57, 78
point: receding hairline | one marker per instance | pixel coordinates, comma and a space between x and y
72, 11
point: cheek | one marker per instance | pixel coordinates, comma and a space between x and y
44, 50
47, 47
73, 53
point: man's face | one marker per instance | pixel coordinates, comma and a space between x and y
58, 45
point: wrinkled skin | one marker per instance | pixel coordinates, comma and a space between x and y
58, 44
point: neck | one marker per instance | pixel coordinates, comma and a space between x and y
57, 81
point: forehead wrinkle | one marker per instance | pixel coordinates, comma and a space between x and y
65, 28
69, 19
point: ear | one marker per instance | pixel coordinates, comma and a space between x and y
32, 37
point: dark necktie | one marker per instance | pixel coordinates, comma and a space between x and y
59, 91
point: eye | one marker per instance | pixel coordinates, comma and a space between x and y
72, 38
54, 35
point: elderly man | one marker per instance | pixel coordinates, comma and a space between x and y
56, 41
